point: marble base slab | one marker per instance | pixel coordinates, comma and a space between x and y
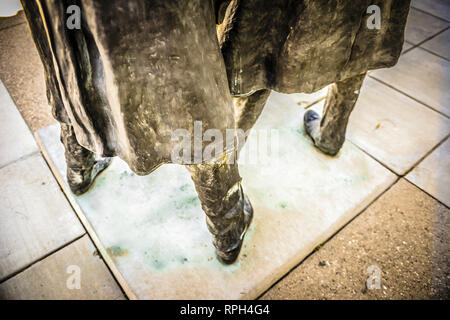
152, 232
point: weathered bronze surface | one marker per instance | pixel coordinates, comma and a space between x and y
136, 71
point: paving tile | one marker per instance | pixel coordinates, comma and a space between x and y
15, 138
405, 233
439, 44
439, 8
421, 75
35, 217
163, 248
433, 173
393, 128
55, 277
22, 73
421, 26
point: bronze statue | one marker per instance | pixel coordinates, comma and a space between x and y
133, 71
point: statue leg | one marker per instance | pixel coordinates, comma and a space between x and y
249, 108
328, 133
82, 166
228, 211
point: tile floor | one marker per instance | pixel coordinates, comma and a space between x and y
401, 121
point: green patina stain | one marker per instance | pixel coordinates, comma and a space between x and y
183, 260
126, 174
158, 264
116, 251
154, 260
99, 180
187, 202
180, 208
283, 205
349, 180
123, 175
184, 187
297, 130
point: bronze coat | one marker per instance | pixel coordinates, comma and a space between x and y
138, 70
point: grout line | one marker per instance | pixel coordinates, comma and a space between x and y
433, 53
12, 26
409, 49
41, 258
331, 237
420, 161
413, 166
406, 51
70, 204
348, 223
426, 155
425, 40
430, 14
373, 157
411, 97
426, 192
85, 230
398, 178
24, 157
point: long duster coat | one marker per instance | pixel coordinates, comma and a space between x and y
137, 70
